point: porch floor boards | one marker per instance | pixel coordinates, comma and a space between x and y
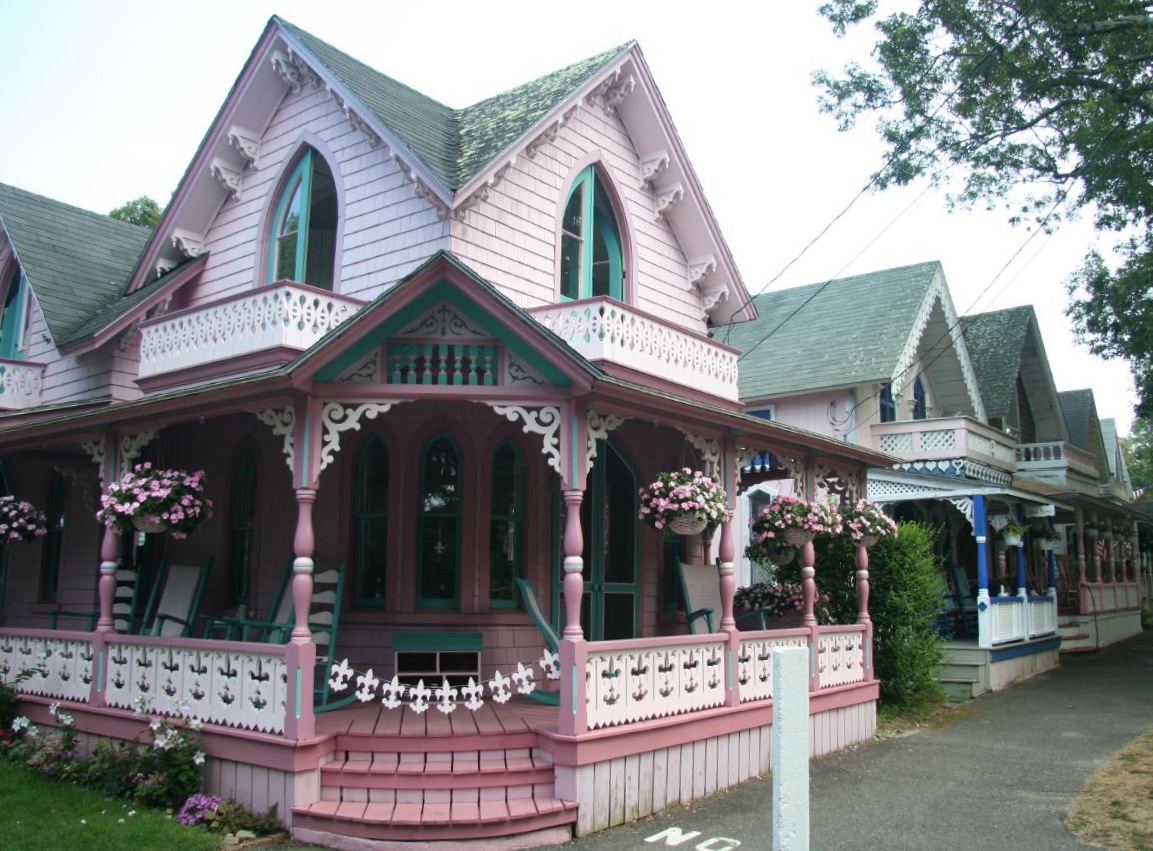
400, 775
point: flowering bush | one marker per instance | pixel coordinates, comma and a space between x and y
683, 493
175, 498
225, 815
789, 512
780, 598
199, 808
20, 521
865, 519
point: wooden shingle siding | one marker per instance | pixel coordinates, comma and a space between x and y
510, 237
386, 229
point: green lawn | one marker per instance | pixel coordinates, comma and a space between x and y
38, 813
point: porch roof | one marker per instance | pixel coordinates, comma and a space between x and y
899, 486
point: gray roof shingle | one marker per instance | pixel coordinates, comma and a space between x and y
455, 144
844, 331
77, 262
1079, 411
996, 341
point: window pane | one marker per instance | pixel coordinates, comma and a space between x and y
286, 257
619, 526
618, 617
570, 267
573, 212
602, 281
320, 248
242, 524
370, 526
607, 264
439, 523
505, 523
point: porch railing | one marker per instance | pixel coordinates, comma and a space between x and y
1057, 455
20, 384
282, 317
1109, 597
945, 439
602, 329
1012, 619
261, 687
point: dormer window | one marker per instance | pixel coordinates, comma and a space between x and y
592, 262
13, 309
303, 240
920, 406
887, 405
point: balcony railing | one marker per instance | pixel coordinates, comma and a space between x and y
282, 317
946, 439
20, 384
604, 330
1054, 457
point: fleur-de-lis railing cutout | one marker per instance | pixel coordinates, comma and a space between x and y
500, 687
260, 675
391, 692
420, 696
197, 665
366, 685
445, 696
226, 696
169, 688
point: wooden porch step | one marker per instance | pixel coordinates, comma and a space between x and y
463, 771
435, 821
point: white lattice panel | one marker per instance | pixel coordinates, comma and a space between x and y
841, 658
653, 683
896, 443
931, 441
283, 316
755, 664
62, 667
603, 330
1042, 617
243, 690
1004, 621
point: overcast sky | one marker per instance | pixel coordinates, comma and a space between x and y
105, 101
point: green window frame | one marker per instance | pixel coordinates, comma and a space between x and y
53, 541
438, 530
302, 241
242, 527
370, 525
13, 309
506, 525
592, 259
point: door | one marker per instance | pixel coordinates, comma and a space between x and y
609, 609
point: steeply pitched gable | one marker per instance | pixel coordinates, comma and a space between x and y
996, 341
77, 262
1080, 413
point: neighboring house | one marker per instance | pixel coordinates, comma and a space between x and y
438, 350
883, 360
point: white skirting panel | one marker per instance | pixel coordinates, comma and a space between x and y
259, 788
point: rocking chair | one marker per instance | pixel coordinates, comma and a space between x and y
175, 599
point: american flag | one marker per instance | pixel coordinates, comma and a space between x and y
1102, 550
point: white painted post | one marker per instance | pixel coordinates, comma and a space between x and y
790, 749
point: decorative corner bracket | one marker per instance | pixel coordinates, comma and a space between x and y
283, 424
666, 197
190, 244
246, 143
653, 166
545, 421
227, 176
338, 418
599, 426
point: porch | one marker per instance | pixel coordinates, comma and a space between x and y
652, 723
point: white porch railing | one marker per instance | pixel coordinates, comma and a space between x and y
20, 384
602, 329
1054, 457
281, 316
631, 681
841, 656
945, 439
265, 688
1109, 597
1012, 619
755, 660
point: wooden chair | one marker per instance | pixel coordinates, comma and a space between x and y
531, 605
964, 608
125, 605
234, 628
701, 584
175, 599
324, 623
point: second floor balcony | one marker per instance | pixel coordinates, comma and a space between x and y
20, 384
259, 328
1054, 460
608, 332
958, 445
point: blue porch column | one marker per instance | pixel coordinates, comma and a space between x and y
1022, 589
980, 527
1051, 566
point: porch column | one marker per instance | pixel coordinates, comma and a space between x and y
109, 552
980, 528
727, 551
1081, 567
303, 544
1051, 571
863, 584
1002, 564
573, 564
1022, 587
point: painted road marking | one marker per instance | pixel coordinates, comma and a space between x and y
674, 836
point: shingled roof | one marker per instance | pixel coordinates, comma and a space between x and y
1079, 411
840, 332
996, 341
77, 262
455, 144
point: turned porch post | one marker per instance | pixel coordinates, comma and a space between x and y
304, 544
980, 530
109, 552
863, 584
809, 582
1081, 566
727, 552
573, 564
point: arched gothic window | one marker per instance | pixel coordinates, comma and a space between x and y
438, 524
370, 524
302, 244
592, 259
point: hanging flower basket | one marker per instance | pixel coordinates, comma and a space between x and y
155, 500
1046, 545
791, 521
1013, 534
781, 555
685, 501
20, 521
866, 523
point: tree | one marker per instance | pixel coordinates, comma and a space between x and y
1138, 451
1050, 97
143, 211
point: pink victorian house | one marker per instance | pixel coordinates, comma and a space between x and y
426, 358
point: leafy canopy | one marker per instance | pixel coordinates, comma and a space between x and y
1138, 451
142, 211
1043, 105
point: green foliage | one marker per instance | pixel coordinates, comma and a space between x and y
1042, 106
1138, 451
142, 211
906, 586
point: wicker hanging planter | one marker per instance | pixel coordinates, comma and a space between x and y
149, 523
782, 556
797, 537
868, 540
688, 524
